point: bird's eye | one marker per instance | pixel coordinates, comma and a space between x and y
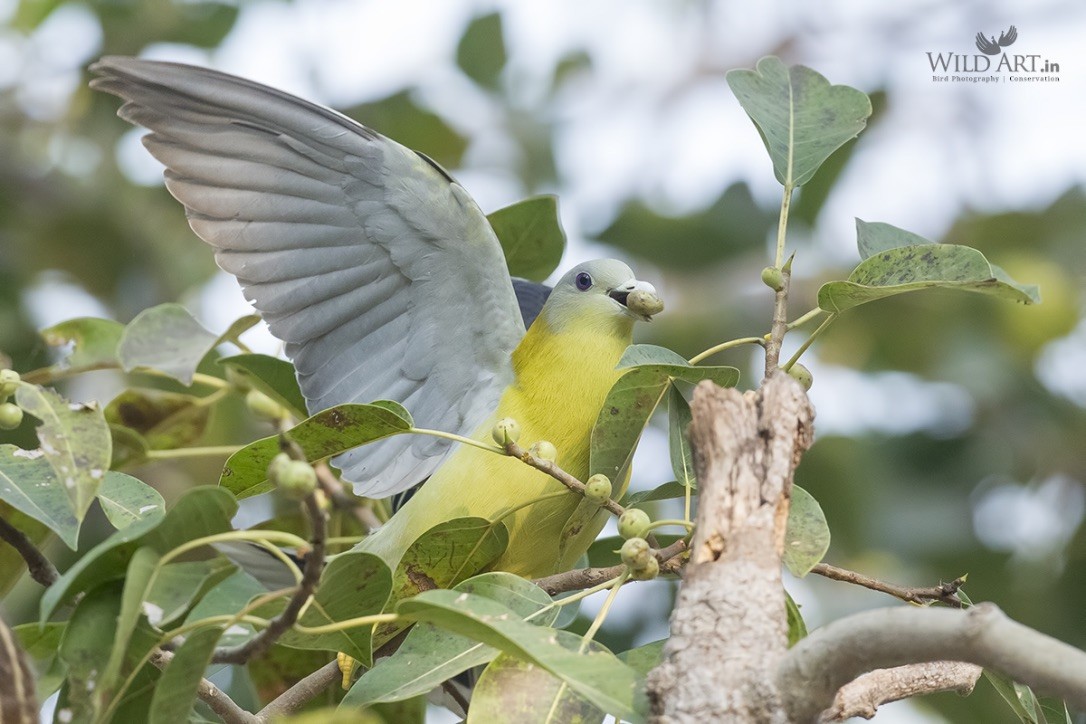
584, 281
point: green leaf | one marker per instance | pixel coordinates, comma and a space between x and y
678, 420
1018, 697
797, 628
12, 565
175, 693
414, 126
177, 585
94, 341
430, 655
168, 339
875, 237
274, 377
801, 117
323, 435
531, 235
238, 327
598, 676
128, 446
667, 491
353, 585
481, 51
125, 500
29, 484
909, 268
85, 648
137, 582
807, 537
514, 690
75, 440
632, 400
449, 553
644, 658
42, 644
200, 512
165, 420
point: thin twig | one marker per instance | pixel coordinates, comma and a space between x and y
335, 491
41, 570
301, 693
779, 327
548, 467
216, 699
944, 592
311, 574
582, 578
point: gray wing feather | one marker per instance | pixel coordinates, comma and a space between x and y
381, 274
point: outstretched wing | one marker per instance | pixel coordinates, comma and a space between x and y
986, 46
376, 268
1008, 37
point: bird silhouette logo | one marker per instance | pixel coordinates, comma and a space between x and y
993, 46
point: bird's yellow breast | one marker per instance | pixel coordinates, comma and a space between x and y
562, 379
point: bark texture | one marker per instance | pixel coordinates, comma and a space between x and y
728, 629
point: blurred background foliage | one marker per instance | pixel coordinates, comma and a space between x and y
950, 425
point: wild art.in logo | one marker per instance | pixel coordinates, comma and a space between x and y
978, 68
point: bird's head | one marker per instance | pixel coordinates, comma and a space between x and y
603, 292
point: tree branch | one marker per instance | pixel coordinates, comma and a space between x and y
730, 608
945, 592
301, 693
582, 578
311, 574
40, 568
863, 696
814, 670
546, 466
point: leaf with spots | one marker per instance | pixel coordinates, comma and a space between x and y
30, 485
899, 261
323, 435
75, 441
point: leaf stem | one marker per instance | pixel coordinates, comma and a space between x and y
192, 452
660, 523
803, 347
807, 317
457, 438
255, 536
348, 624
725, 345
604, 610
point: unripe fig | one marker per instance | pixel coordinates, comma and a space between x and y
297, 480
11, 416
276, 467
544, 450
597, 488
633, 523
644, 302
636, 553
263, 406
773, 278
650, 571
506, 430
9, 380
801, 375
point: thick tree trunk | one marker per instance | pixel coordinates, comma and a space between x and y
728, 630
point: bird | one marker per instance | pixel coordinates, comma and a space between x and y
993, 46
385, 280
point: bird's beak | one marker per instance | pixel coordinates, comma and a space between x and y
639, 298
